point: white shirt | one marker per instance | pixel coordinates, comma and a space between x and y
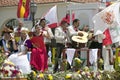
48, 31
72, 31
60, 35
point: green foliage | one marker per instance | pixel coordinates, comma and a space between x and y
2, 58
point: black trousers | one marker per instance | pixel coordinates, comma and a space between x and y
60, 48
48, 47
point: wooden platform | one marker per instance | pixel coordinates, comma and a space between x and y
13, 79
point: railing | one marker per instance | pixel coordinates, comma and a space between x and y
77, 51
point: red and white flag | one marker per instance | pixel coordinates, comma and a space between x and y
107, 40
108, 19
51, 17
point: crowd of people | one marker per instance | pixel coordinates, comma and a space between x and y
28, 49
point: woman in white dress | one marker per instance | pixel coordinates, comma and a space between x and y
21, 60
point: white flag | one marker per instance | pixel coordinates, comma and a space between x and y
108, 18
51, 17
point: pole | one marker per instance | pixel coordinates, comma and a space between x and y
33, 19
70, 12
33, 7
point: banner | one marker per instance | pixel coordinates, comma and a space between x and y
51, 17
23, 9
108, 19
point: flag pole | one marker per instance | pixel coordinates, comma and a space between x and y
70, 17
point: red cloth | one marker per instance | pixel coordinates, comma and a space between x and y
108, 4
67, 18
107, 40
39, 55
38, 41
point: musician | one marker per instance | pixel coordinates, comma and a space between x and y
74, 30
61, 37
96, 41
48, 31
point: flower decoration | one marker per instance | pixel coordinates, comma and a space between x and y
33, 76
2, 57
64, 65
86, 69
68, 76
78, 61
76, 76
100, 63
77, 64
50, 77
41, 75
8, 69
79, 75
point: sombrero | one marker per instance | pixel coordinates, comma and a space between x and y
84, 34
80, 39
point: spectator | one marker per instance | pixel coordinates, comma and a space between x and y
7, 43
18, 29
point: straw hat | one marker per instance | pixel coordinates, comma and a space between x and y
24, 30
84, 34
80, 39
7, 30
